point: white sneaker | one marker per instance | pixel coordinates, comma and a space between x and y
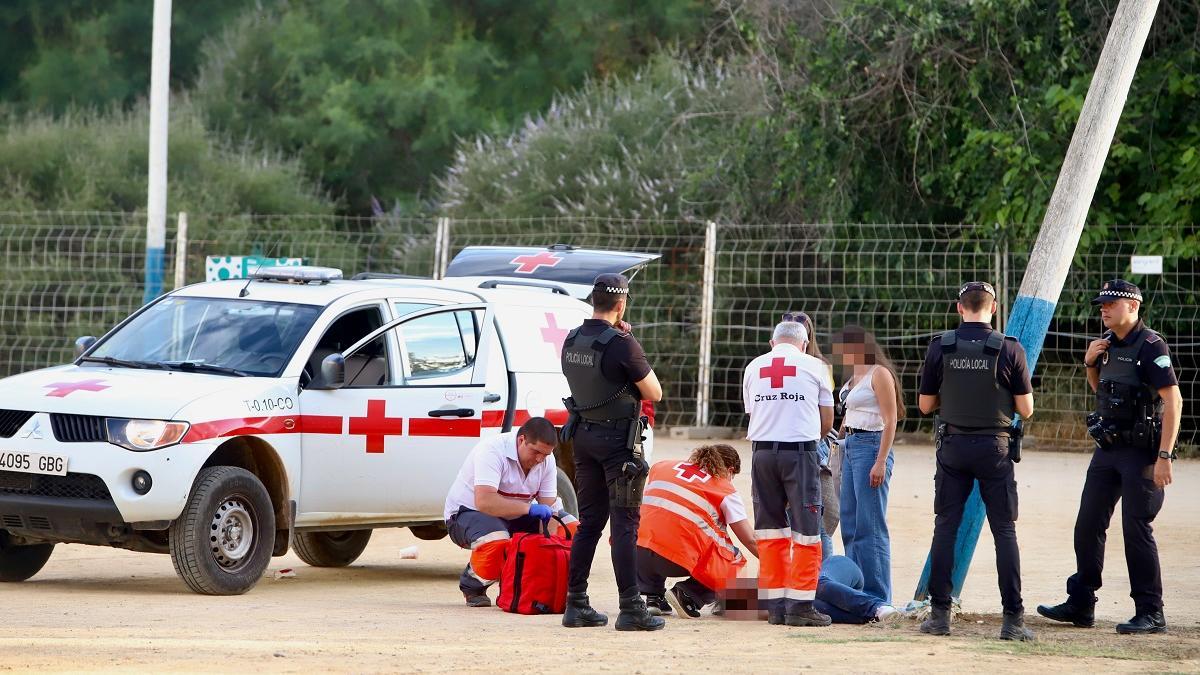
888, 616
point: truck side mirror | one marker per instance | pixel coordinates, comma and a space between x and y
83, 344
333, 373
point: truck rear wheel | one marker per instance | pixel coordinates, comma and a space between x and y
19, 562
221, 544
566, 492
330, 549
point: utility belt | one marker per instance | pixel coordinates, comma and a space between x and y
998, 432
784, 446
1014, 434
616, 425
1140, 434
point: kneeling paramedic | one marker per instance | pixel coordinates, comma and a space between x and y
687, 510
978, 377
788, 396
1135, 425
508, 483
609, 377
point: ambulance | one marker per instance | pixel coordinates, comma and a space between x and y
227, 420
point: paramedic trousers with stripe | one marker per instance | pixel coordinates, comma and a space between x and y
786, 485
487, 536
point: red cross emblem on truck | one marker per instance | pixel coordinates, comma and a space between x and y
528, 264
61, 389
376, 426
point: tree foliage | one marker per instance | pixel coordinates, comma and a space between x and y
373, 97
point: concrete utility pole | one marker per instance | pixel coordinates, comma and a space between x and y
1065, 215
156, 200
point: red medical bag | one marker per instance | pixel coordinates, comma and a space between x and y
534, 578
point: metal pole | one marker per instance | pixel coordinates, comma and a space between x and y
441, 247
1065, 214
156, 200
708, 282
181, 236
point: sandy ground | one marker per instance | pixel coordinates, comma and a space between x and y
104, 609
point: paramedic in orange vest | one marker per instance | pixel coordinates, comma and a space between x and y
790, 402
687, 509
508, 483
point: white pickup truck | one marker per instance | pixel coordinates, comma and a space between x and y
226, 419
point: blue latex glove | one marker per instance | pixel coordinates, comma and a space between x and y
541, 511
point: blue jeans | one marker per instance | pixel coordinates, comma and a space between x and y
864, 513
826, 540
840, 594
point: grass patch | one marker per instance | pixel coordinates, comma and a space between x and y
812, 639
1138, 653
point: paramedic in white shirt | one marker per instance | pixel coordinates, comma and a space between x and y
508, 483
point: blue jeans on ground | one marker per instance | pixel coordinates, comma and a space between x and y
840, 594
864, 513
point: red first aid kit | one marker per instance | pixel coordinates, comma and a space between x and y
534, 578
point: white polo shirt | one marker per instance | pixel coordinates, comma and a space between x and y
782, 390
493, 462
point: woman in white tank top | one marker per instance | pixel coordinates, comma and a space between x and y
874, 406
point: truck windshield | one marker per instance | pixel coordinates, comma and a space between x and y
212, 335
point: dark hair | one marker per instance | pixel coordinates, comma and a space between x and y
718, 460
975, 301
606, 302
851, 334
539, 430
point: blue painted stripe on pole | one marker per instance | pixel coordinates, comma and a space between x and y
1028, 322
155, 265
964, 546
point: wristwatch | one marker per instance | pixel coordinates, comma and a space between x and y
1163, 454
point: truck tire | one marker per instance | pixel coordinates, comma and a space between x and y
18, 563
330, 549
429, 532
221, 543
566, 492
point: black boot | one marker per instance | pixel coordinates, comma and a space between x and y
579, 613
1014, 628
1144, 623
938, 622
634, 615
807, 616
657, 605
1080, 617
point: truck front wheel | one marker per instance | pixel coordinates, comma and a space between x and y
221, 544
19, 562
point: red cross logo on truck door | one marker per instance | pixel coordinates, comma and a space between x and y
61, 389
376, 426
553, 335
528, 264
776, 372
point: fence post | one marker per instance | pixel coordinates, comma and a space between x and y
441, 247
181, 245
156, 199
707, 284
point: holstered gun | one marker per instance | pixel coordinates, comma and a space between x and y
939, 432
1015, 433
572, 423
626, 491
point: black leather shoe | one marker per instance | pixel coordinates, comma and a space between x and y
807, 617
634, 615
579, 613
1080, 617
1014, 629
938, 622
1142, 624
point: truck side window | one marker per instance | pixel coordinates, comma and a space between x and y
369, 366
439, 344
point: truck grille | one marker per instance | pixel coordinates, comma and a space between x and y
78, 428
12, 420
70, 486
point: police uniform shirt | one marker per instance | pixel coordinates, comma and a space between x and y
1154, 359
1012, 371
624, 359
782, 390
494, 463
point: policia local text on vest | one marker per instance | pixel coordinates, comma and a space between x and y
609, 376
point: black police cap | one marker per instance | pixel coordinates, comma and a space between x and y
977, 286
1117, 289
611, 283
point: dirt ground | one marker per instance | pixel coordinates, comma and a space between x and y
104, 609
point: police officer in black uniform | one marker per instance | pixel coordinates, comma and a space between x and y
979, 378
1135, 425
607, 372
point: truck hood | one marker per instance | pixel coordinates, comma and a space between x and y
111, 392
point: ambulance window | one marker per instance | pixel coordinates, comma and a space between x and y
437, 345
367, 367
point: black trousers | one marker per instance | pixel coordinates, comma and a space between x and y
599, 453
962, 460
1125, 474
653, 570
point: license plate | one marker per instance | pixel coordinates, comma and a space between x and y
32, 462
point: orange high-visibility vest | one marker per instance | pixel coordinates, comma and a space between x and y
682, 522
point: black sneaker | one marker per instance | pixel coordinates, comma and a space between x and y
684, 604
480, 600
657, 605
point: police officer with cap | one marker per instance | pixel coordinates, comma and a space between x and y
609, 376
978, 378
1135, 425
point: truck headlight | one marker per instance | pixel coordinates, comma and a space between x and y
142, 435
